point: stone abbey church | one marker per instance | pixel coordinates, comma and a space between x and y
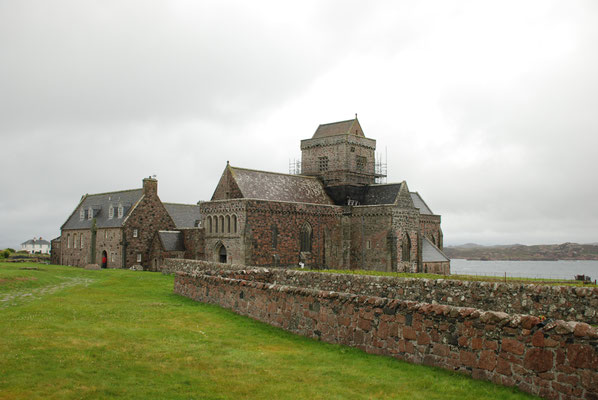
332, 215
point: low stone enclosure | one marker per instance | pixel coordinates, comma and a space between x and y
552, 358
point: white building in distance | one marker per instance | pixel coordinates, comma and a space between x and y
36, 245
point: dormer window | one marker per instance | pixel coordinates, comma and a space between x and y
82, 214
120, 211
90, 213
110, 212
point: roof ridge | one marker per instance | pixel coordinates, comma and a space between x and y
118, 191
337, 122
384, 184
275, 173
180, 204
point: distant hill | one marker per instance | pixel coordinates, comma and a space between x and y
564, 251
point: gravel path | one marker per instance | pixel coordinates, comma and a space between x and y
18, 297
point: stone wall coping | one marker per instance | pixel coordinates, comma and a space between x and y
497, 286
526, 322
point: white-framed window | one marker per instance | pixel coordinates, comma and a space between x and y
90, 213
138, 257
120, 211
110, 212
81, 240
135, 233
82, 214
369, 244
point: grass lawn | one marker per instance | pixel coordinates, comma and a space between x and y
484, 278
69, 333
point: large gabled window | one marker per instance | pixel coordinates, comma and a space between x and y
121, 210
110, 212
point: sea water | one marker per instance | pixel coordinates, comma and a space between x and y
562, 269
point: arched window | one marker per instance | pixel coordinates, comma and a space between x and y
221, 253
228, 224
75, 240
216, 224
68, 241
406, 247
305, 238
209, 224
234, 223
221, 224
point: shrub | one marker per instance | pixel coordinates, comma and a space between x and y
5, 253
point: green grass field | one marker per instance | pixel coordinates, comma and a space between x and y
68, 333
478, 278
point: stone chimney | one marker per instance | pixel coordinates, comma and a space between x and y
150, 186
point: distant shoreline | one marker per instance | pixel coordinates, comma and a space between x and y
519, 252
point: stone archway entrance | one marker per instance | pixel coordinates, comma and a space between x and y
222, 254
104, 259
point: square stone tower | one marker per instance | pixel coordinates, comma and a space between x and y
340, 155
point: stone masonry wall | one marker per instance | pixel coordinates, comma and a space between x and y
553, 302
370, 227
110, 241
558, 360
287, 219
72, 253
430, 228
148, 217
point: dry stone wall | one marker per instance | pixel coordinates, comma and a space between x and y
553, 302
558, 360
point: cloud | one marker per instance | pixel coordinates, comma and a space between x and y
486, 109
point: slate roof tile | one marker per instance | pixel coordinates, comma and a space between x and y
418, 202
431, 253
183, 215
172, 240
274, 186
100, 203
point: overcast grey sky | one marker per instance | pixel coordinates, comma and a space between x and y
489, 109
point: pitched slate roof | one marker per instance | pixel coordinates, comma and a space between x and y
418, 202
100, 204
172, 240
273, 186
36, 241
381, 194
183, 215
431, 253
338, 128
